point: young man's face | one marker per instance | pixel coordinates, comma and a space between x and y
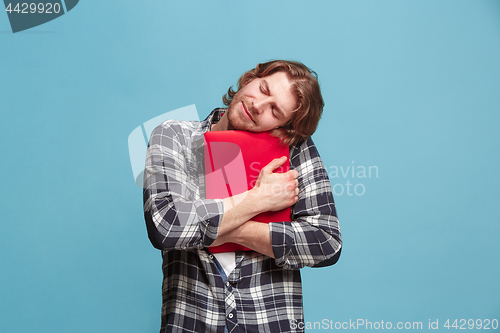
263, 104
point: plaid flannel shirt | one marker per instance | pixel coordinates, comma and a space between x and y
261, 294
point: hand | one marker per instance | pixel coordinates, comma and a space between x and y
276, 191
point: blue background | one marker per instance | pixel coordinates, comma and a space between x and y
411, 87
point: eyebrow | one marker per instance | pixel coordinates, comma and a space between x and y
266, 87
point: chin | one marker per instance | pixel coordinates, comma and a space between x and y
239, 127
235, 123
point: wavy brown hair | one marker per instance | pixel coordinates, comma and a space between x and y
306, 89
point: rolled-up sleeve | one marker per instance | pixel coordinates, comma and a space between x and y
176, 216
313, 237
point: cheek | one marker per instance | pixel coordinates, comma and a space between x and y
270, 123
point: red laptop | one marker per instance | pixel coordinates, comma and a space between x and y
233, 160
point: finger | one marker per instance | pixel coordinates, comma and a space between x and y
292, 174
276, 163
290, 188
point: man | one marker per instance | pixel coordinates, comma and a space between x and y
253, 291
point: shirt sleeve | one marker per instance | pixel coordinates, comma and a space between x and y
313, 237
176, 216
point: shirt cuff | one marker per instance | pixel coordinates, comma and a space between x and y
282, 241
211, 211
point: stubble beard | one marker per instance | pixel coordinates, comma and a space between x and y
235, 119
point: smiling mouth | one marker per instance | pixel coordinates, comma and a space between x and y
245, 110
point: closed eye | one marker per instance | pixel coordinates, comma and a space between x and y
275, 113
264, 90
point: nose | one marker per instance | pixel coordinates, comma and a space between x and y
260, 106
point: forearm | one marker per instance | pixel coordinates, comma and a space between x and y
238, 209
253, 235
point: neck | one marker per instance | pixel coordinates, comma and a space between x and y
222, 125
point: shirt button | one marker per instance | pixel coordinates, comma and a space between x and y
211, 256
230, 316
227, 283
